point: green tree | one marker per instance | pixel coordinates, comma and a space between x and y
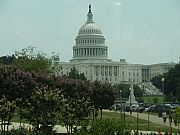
75, 112
176, 116
74, 74
28, 59
78, 105
155, 100
103, 95
125, 90
7, 109
138, 92
7, 60
42, 109
157, 81
171, 83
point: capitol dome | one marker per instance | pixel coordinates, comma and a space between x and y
90, 43
89, 28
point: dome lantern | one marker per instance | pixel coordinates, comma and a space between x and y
89, 15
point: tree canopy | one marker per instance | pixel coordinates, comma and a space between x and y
171, 83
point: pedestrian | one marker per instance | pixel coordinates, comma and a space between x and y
164, 115
170, 117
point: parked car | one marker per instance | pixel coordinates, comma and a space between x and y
116, 107
140, 107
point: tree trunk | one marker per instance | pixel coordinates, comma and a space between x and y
93, 114
2, 126
101, 112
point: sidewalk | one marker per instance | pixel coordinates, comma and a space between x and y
15, 125
153, 119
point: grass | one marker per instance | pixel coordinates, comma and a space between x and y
131, 122
149, 99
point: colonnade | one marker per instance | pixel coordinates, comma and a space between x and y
90, 52
107, 70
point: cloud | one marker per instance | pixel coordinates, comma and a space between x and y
116, 3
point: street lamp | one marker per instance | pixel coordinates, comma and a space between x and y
162, 80
120, 98
148, 103
171, 97
130, 106
170, 116
137, 118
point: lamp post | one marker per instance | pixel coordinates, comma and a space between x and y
120, 98
124, 114
162, 80
170, 116
130, 106
171, 97
148, 103
137, 118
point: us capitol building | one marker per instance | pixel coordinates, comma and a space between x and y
90, 56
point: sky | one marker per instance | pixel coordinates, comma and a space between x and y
140, 31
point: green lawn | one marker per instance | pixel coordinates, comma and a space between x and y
149, 99
131, 122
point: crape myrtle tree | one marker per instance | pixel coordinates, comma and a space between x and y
16, 85
103, 95
77, 95
7, 109
76, 112
42, 109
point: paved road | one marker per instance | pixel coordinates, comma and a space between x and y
153, 119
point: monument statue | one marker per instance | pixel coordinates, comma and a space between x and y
131, 99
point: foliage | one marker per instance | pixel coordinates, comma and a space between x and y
105, 127
77, 103
15, 84
7, 60
176, 116
172, 82
75, 112
138, 92
125, 90
42, 109
103, 95
72, 88
29, 59
157, 81
7, 109
148, 99
155, 100
74, 74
